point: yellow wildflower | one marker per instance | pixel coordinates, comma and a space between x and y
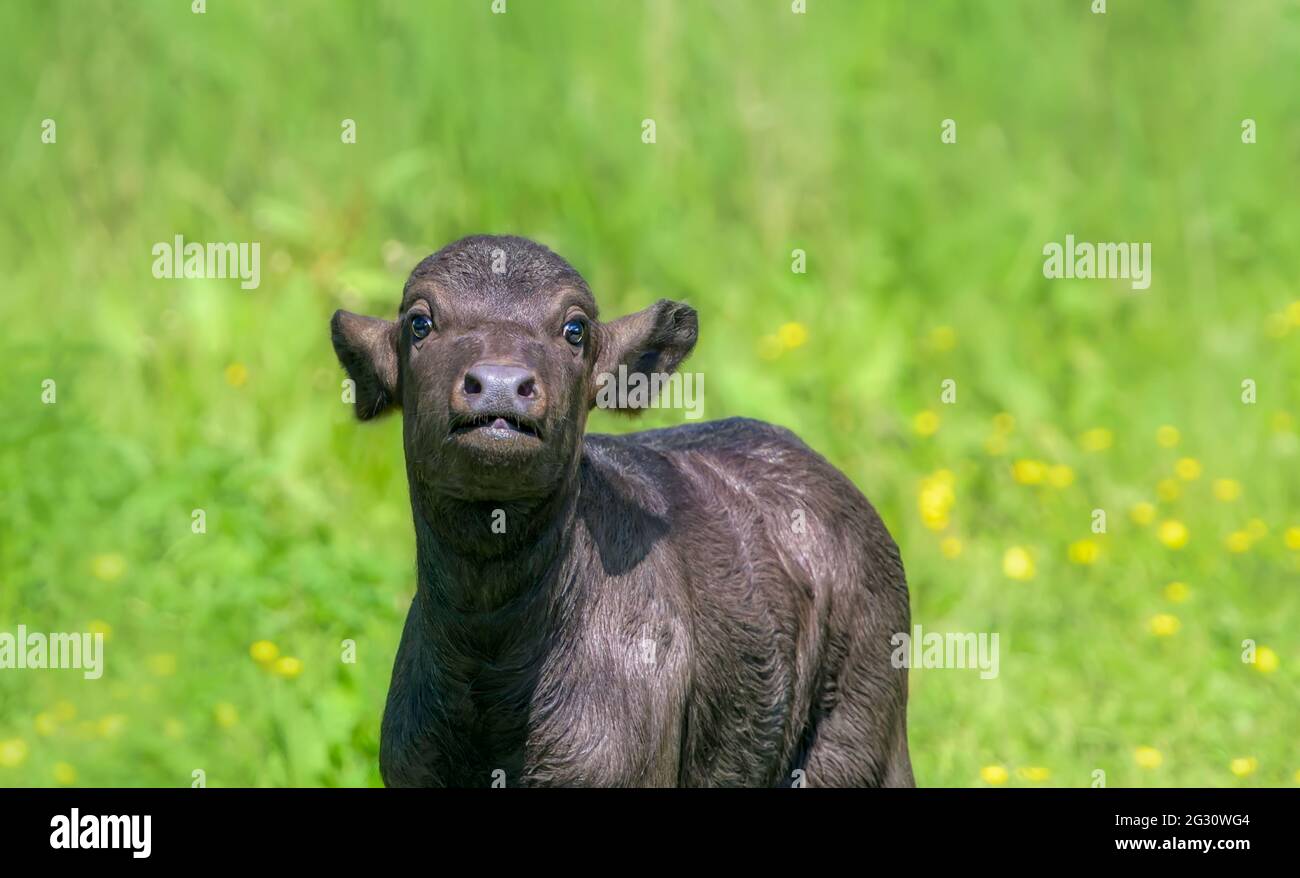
935, 499
792, 335
111, 725
994, 774
1060, 476
226, 715
1029, 472
1097, 439
1238, 541
1143, 513
925, 423
287, 667
1244, 766
1172, 533
1164, 625
1226, 490
162, 664
1084, 551
45, 724
943, 338
1018, 564
1266, 660
1148, 757
13, 753
264, 652
108, 567
64, 774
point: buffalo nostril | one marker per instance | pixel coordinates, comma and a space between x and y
473, 386
527, 388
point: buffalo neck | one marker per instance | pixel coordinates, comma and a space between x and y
488, 563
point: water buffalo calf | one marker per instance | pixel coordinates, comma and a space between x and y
707, 605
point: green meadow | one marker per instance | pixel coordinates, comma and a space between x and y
1162, 651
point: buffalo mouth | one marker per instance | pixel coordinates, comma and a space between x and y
501, 425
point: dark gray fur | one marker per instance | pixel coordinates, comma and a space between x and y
652, 615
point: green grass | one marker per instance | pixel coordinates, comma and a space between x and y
774, 132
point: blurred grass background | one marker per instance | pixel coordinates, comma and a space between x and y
775, 132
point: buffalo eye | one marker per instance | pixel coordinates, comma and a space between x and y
421, 326
574, 332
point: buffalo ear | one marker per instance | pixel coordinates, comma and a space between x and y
367, 348
653, 341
